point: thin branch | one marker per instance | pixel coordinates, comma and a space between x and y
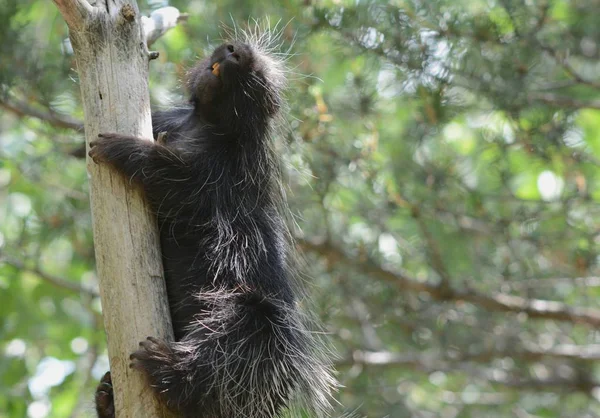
57, 120
498, 302
506, 5
579, 282
556, 85
417, 361
531, 353
160, 21
53, 280
555, 383
563, 351
563, 101
361, 314
428, 363
433, 249
483, 398
563, 62
465, 222
534, 308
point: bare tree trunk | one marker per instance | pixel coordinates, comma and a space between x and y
112, 61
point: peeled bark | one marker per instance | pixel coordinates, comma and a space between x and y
112, 62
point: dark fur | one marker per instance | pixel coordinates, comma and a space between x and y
242, 348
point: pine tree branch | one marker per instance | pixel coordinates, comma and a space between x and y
498, 302
433, 362
530, 354
537, 283
563, 101
47, 277
564, 63
435, 255
22, 109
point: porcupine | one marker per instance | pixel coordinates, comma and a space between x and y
242, 346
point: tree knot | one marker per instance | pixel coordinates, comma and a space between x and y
128, 13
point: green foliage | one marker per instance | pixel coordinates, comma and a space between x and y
451, 143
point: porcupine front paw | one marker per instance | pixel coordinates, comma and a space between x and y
100, 148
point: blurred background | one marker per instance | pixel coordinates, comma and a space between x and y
444, 172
